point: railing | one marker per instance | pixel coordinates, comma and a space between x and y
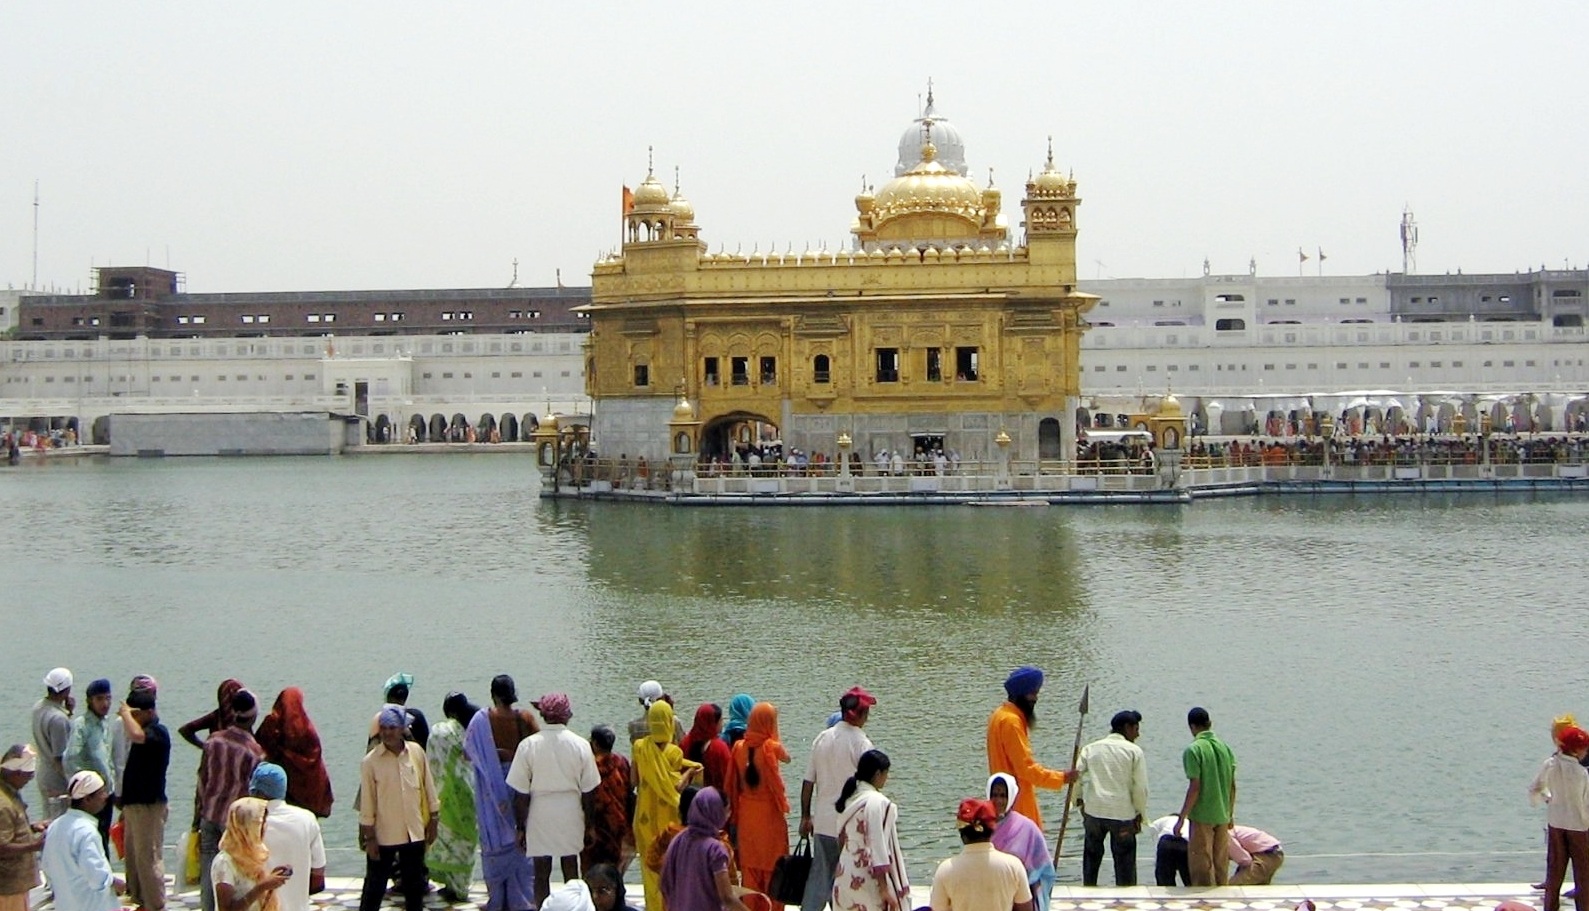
827, 477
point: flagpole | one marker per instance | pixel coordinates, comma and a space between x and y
1070, 789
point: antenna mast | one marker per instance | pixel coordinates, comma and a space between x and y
35, 284
1409, 241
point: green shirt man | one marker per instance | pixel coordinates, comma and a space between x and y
1210, 801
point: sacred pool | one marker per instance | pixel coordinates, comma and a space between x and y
1385, 668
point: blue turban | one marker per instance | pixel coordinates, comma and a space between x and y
1023, 681
100, 687
269, 781
393, 716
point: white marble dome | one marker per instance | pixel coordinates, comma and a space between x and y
951, 149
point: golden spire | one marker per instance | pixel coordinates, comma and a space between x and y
1051, 151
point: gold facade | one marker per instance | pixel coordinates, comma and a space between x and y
934, 315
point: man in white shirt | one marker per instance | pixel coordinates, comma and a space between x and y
834, 755
293, 836
1564, 785
553, 769
1114, 799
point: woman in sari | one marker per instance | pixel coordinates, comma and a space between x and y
607, 832
758, 800
1020, 837
704, 744
243, 880
290, 740
661, 772
451, 857
871, 870
695, 875
510, 880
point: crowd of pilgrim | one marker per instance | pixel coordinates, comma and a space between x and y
700, 809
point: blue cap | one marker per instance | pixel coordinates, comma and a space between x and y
269, 781
100, 687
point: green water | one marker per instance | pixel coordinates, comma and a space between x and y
1384, 668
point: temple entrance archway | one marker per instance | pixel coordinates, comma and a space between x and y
739, 432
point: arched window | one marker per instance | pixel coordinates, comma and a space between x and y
820, 370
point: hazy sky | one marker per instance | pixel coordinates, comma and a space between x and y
293, 146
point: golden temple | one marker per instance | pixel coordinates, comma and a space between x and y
935, 328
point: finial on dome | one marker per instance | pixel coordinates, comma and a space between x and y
928, 112
675, 180
1051, 151
928, 150
990, 177
650, 161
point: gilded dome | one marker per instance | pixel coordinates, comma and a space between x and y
929, 186
682, 210
1052, 182
651, 193
682, 412
1170, 407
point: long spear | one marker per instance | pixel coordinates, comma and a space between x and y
1070, 789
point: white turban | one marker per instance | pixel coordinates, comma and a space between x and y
574, 896
27, 762
59, 680
84, 784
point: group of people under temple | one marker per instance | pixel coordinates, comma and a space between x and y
703, 809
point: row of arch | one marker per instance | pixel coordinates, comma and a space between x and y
1522, 414
458, 428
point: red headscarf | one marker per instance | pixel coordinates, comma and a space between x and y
707, 718
290, 740
703, 745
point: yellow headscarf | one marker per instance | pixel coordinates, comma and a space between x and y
659, 722
244, 842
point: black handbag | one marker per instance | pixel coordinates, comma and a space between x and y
789, 874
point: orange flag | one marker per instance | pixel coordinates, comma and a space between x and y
628, 200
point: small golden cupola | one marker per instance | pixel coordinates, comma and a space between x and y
683, 213
650, 216
1050, 204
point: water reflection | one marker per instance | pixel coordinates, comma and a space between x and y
1353, 650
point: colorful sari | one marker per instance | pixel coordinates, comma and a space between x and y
510, 880
607, 825
660, 770
870, 860
761, 810
451, 857
290, 740
1022, 839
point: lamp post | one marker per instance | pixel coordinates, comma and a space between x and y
846, 480
1002, 469
1327, 432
